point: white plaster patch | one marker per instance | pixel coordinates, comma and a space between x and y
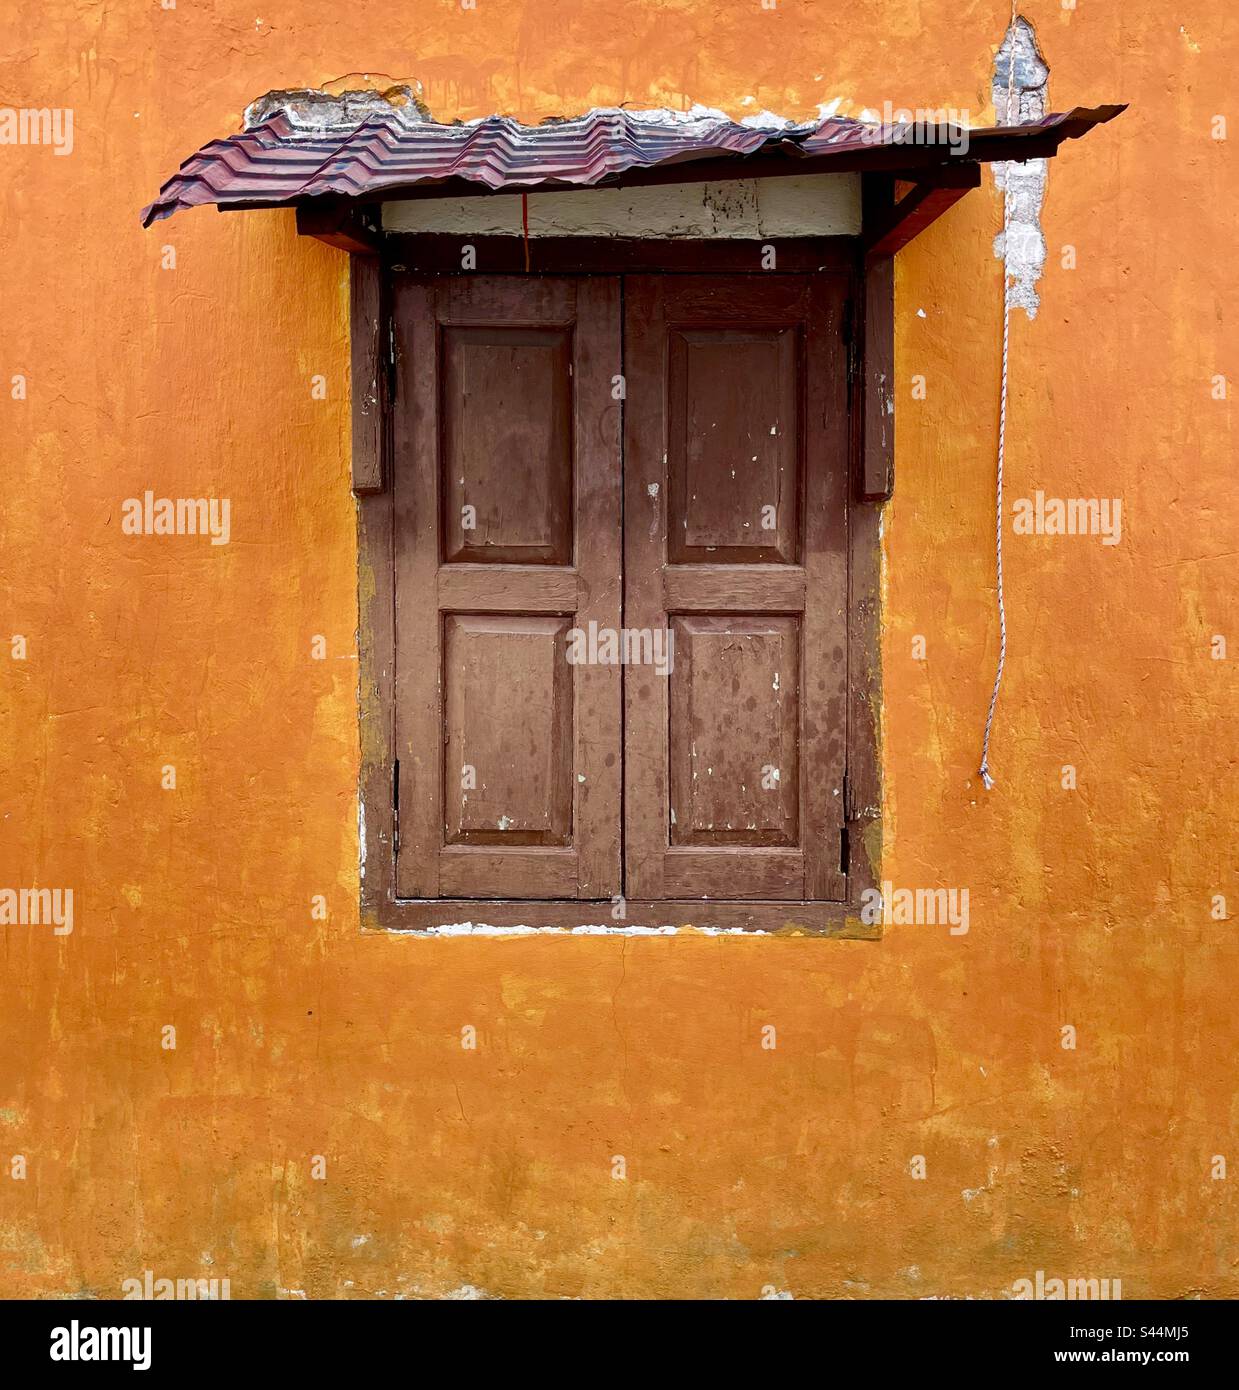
1019, 95
596, 929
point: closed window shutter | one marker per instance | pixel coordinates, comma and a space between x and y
506, 478
736, 452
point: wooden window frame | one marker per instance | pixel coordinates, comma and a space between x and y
870, 298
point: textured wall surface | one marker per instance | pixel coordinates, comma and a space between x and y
747, 1168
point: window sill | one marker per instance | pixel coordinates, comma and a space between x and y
483, 917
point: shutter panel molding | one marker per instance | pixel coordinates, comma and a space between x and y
736, 537
506, 481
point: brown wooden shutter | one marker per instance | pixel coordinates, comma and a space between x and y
736, 539
509, 755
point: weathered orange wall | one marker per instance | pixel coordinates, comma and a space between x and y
492, 1169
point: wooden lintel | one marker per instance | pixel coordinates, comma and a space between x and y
439, 253
894, 225
347, 227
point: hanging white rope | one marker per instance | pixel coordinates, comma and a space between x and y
986, 778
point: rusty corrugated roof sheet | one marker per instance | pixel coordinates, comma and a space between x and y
985, 143
303, 145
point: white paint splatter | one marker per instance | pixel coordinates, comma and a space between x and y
457, 929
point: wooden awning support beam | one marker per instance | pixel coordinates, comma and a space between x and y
895, 224
888, 223
357, 230
348, 227
370, 352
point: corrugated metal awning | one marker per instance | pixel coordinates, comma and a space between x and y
299, 146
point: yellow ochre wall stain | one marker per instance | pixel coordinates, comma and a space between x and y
747, 1168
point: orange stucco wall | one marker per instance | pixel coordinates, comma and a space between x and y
492, 1169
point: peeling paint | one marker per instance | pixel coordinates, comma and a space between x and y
1021, 94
